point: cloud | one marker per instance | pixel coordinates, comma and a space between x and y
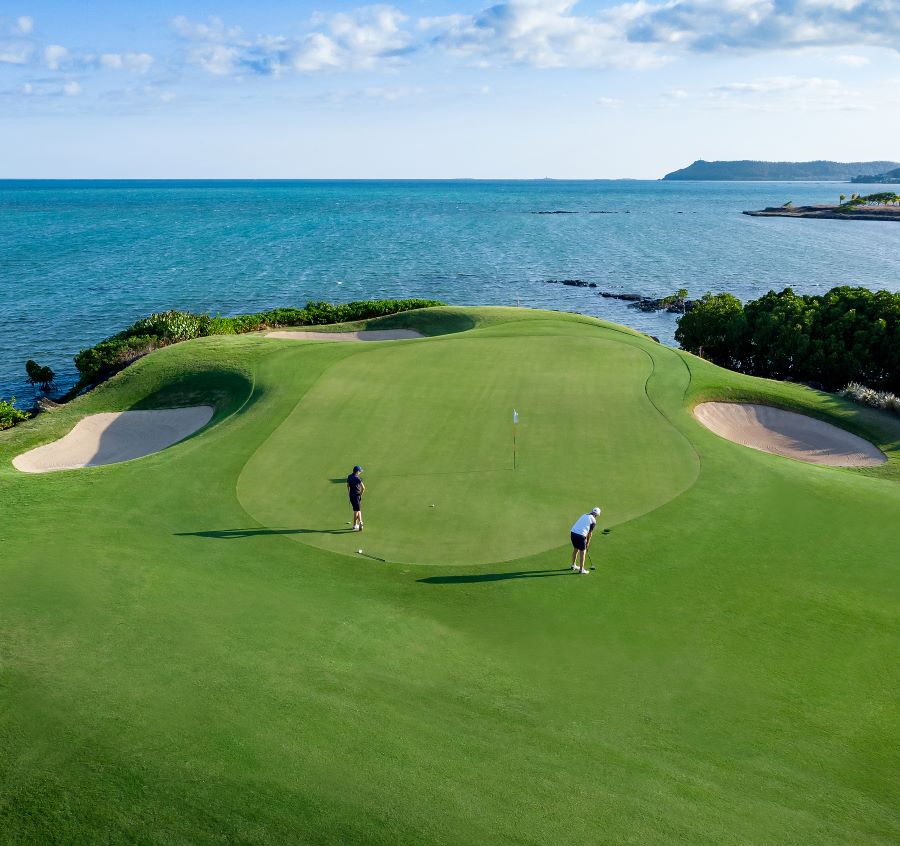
550, 33
55, 55
853, 61
16, 52
138, 62
541, 33
753, 25
47, 87
392, 94
24, 25
779, 94
358, 40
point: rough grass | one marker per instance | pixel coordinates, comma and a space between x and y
174, 671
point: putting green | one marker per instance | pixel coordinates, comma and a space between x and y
431, 423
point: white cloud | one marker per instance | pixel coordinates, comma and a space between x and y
214, 30
71, 88
55, 55
391, 94
781, 94
853, 61
609, 102
549, 33
15, 52
748, 25
138, 62
541, 33
361, 39
315, 52
24, 25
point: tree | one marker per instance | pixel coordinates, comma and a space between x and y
846, 335
38, 375
842, 198
717, 326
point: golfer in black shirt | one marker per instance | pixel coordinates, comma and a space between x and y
355, 489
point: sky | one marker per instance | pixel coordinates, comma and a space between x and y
424, 89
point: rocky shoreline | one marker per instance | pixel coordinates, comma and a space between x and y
830, 212
638, 301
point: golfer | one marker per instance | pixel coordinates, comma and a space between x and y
355, 490
581, 538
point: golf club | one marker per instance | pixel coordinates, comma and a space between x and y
590, 560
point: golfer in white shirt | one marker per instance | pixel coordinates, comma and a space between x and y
581, 538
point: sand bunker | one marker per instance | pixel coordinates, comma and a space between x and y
786, 433
370, 335
112, 437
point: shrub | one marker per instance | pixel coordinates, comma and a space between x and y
10, 415
112, 354
170, 326
877, 399
38, 375
220, 326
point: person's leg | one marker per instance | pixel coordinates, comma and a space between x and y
583, 556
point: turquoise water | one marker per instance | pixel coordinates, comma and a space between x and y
80, 260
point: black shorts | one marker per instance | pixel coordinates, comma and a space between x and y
579, 541
355, 502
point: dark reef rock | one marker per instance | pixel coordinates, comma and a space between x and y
831, 212
572, 283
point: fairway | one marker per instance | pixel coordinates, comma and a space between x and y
192, 651
431, 422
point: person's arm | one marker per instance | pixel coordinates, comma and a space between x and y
362, 487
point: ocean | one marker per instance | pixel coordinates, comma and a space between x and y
80, 260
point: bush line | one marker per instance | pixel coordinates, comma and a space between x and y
171, 327
849, 334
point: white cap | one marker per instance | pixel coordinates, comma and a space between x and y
595, 510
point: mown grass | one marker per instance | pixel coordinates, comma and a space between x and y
173, 670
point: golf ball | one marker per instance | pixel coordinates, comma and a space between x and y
359, 551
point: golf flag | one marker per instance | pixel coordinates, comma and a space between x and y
515, 421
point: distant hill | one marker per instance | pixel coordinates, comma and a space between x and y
820, 171
891, 177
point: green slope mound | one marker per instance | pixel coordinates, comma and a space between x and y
175, 667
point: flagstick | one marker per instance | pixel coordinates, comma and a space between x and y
515, 427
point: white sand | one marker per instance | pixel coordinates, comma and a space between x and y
788, 434
112, 437
368, 335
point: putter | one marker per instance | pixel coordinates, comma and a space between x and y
591, 560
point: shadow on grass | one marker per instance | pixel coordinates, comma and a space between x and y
476, 578
232, 534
